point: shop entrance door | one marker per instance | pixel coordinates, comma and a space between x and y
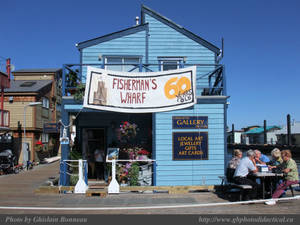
94, 150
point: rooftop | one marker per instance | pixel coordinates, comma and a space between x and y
259, 130
19, 86
38, 70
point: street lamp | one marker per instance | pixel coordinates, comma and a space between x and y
25, 152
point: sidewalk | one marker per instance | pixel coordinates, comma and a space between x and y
18, 190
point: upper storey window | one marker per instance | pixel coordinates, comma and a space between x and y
170, 63
122, 63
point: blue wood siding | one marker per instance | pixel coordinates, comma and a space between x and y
133, 44
190, 172
166, 41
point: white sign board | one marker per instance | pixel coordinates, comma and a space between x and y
112, 153
140, 92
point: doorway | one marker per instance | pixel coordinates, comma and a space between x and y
93, 144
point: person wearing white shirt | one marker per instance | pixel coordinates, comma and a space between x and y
241, 174
99, 164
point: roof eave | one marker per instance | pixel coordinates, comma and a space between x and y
111, 36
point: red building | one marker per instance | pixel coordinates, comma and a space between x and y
4, 83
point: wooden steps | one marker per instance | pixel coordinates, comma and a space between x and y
96, 188
96, 192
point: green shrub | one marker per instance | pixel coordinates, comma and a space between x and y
134, 174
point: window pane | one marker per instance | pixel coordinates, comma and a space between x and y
134, 63
45, 138
170, 65
46, 103
114, 60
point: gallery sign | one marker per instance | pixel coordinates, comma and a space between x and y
143, 92
190, 122
190, 145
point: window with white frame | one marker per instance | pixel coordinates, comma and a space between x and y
170, 63
45, 138
122, 63
45, 102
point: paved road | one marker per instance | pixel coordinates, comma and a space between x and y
18, 190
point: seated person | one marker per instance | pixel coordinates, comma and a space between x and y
276, 161
290, 170
261, 158
237, 155
275, 166
241, 175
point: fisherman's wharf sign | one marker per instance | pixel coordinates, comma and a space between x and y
142, 92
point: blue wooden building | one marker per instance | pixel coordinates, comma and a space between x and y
155, 44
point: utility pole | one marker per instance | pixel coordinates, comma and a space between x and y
265, 132
289, 138
233, 139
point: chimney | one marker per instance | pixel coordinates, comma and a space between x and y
137, 19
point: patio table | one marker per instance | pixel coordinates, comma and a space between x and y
263, 175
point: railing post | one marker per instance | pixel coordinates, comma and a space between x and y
181, 64
61, 175
86, 172
224, 82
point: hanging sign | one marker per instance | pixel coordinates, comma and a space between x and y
143, 92
190, 146
190, 122
51, 128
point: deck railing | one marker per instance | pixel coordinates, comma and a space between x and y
211, 78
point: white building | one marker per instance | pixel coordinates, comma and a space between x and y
295, 134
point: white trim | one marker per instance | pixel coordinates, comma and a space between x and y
145, 207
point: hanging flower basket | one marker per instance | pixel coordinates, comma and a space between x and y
128, 130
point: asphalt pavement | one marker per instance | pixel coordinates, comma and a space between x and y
17, 190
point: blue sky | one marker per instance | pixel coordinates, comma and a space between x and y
261, 54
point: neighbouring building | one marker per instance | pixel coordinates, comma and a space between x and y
256, 135
295, 134
235, 137
6, 140
188, 144
34, 98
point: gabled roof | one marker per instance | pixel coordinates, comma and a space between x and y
111, 36
144, 26
17, 86
178, 28
38, 70
259, 130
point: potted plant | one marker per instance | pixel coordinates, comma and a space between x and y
40, 152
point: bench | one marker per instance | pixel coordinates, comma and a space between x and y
233, 187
